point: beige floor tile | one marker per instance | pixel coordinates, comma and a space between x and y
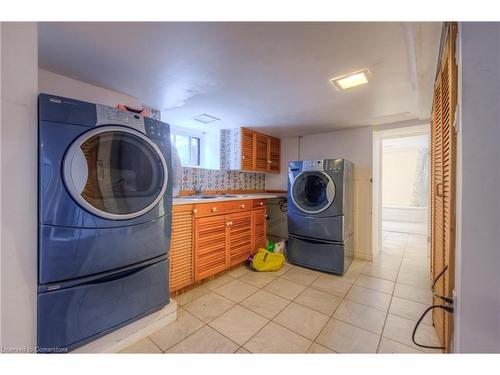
258, 279
388, 346
319, 301
346, 338
205, 340
239, 271
238, 324
319, 349
351, 276
209, 306
375, 283
357, 265
301, 275
413, 293
144, 346
409, 310
274, 338
286, 267
332, 285
236, 290
381, 272
400, 330
191, 295
302, 320
369, 297
361, 316
420, 280
173, 333
218, 282
242, 350
387, 264
265, 303
285, 288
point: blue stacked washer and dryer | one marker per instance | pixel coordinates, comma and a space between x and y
104, 220
320, 214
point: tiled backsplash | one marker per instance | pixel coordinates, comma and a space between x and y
210, 179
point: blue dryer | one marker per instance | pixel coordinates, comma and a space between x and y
104, 220
320, 214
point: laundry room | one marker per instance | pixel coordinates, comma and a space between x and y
238, 187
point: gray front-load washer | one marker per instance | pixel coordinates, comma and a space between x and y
320, 217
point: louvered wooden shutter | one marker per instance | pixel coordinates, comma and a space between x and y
443, 175
181, 245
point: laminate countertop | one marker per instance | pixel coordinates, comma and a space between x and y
192, 199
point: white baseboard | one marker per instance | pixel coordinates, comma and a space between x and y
363, 256
120, 339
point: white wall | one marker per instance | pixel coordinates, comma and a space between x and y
352, 144
18, 257
477, 277
56, 84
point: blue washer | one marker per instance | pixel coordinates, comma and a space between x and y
104, 219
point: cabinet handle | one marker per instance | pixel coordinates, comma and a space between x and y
195, 211
269, 161
243, 157
214, 209
228, 223
242, 206
261, 203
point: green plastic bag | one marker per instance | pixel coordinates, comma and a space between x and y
264, 261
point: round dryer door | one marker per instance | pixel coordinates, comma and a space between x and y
115, 172
313, 192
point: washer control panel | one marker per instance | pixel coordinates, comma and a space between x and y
111, 116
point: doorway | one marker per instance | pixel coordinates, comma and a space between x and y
401, 182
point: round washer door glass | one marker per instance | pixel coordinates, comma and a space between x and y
313, 192
115, 172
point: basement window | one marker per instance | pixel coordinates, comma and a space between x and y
188, 147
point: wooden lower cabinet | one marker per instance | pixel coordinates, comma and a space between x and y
208, 238
181, 248
239, 237
209, 246
259, 227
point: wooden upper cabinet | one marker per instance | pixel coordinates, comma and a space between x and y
181, 248
274, 152
247, 149
261, 152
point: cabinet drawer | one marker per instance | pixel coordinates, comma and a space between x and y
259, 202
237, 206
221, 208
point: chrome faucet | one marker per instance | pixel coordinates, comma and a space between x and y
198, 190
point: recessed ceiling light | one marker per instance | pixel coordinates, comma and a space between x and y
206, 118
350, 80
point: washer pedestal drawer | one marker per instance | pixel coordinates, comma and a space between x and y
333, 257
71, 317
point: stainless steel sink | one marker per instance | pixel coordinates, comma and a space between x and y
214, 196
200, 197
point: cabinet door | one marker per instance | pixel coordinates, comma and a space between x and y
259, 228
261, 148
210, 245
239, 236
247, 149
443, 182
274, 146
181, 248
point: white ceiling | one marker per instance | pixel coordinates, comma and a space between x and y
270, 76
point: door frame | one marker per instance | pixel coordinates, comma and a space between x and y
423, 128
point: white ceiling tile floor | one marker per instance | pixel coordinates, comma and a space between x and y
373, 310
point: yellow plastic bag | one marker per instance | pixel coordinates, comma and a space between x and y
264, 261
